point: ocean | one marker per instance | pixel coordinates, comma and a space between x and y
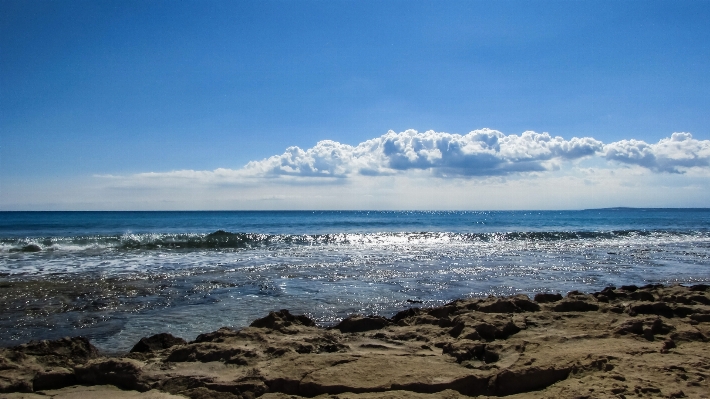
115, 277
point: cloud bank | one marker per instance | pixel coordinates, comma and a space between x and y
484, 169
483, 152
480, 153
672, 155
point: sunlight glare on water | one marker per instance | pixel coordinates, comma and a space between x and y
116, 288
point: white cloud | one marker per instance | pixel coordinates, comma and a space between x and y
479, 153
484, 169
673, 155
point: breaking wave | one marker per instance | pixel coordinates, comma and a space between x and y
223, 240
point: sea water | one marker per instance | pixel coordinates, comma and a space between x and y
115, 277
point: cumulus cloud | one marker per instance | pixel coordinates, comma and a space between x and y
480, 153
672, 155
411, 170
483, 152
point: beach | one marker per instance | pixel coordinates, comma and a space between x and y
115, 277
593, 303
629, 341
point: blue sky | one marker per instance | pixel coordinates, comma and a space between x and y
95, 96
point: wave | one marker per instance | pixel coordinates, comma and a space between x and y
223, 240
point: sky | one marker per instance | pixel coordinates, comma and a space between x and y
167, 105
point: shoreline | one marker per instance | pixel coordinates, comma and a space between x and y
648, 341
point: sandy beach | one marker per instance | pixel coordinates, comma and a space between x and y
628, 341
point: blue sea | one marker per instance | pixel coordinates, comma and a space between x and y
118, 276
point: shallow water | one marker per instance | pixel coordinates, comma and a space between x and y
116, 277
